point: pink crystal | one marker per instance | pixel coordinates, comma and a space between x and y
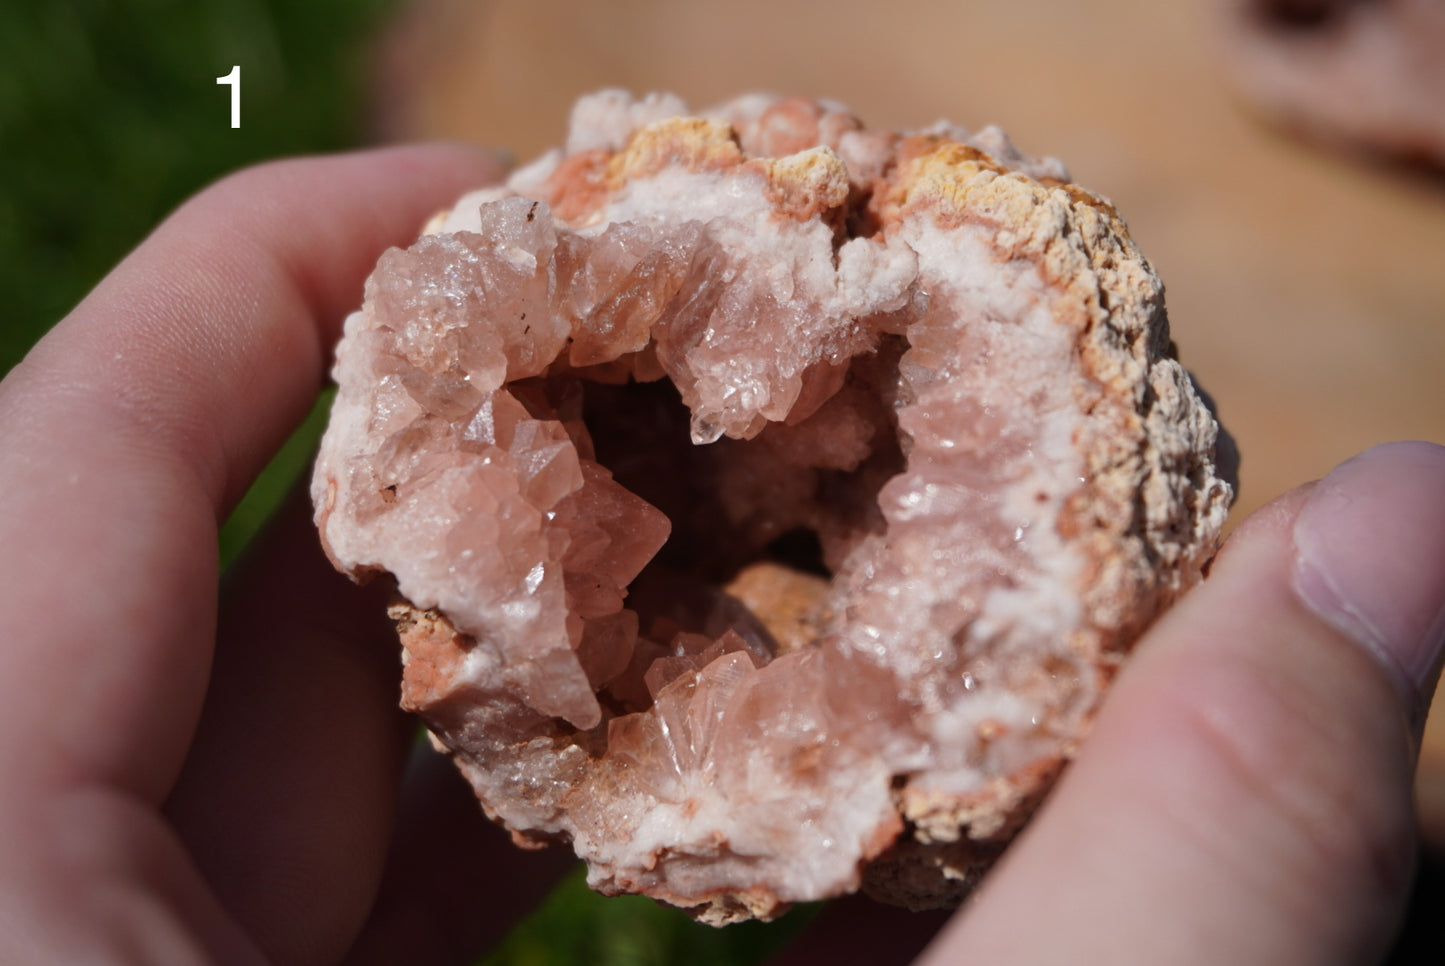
769, 499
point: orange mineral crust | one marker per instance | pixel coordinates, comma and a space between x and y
769, 500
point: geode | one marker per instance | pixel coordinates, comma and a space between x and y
769, 500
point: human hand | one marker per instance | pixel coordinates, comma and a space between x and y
196, 779
125, 438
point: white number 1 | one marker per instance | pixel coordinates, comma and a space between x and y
234, 79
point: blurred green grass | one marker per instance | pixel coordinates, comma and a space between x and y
576, 925
110, 116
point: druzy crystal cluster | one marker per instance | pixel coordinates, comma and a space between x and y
769, 499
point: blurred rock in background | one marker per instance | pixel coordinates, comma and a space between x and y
1365, 76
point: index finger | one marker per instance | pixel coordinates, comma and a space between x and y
129, 431
214, 334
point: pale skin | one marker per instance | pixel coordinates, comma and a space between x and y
206, 772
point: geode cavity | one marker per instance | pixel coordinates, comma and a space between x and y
770, 500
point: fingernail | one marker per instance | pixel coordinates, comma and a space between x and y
1370, 560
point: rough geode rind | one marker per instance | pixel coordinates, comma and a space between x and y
910, 410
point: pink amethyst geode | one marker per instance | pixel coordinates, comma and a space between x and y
769, 500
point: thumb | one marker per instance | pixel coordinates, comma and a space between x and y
1246, 794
